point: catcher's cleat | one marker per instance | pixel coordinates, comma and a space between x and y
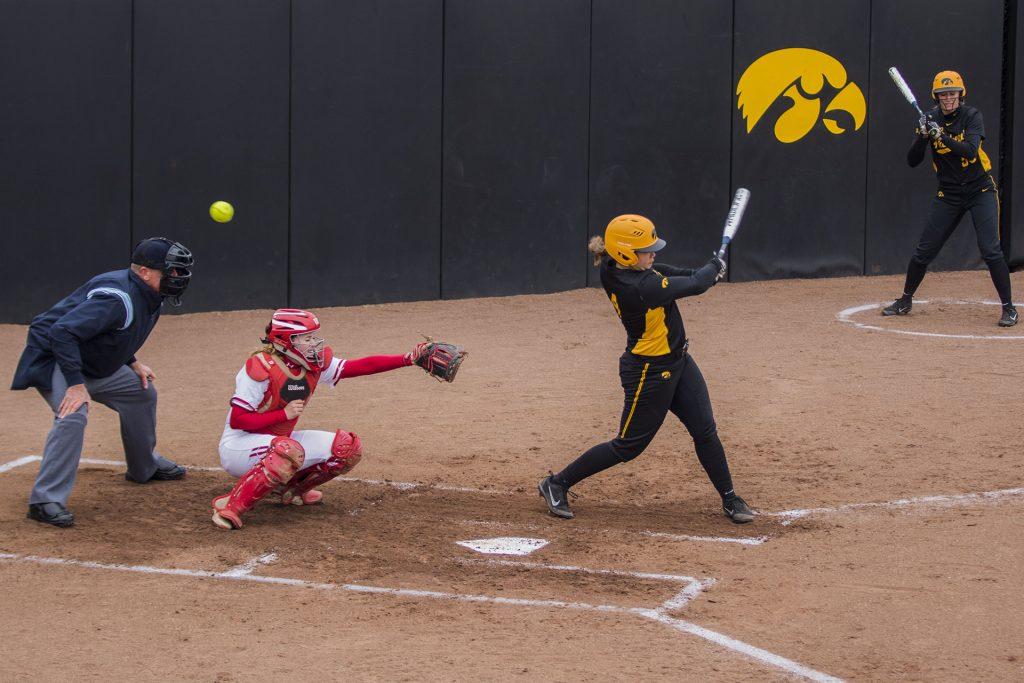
901, 306
311, 497
737, 510
1009, 317
281, 462
556, 496
223, 517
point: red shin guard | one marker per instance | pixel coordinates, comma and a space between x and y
279, 465
346, 451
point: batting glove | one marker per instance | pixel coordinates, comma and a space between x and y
720, 265
922, 126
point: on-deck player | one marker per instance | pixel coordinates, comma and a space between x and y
259, 444
956, 132
658, 374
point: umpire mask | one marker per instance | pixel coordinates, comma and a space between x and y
172, 259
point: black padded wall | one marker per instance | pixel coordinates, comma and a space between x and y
65, 103
1016, 255
660, 120
211, 122
516, 90
806, 216
415, 149
366, 151
898, 197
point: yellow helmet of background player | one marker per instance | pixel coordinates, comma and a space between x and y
629, 235
948, 81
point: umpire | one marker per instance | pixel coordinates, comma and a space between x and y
84, 349
955, 132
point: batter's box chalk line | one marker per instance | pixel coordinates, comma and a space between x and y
788, 516
660, 614
738, 540
846, 316
982, 497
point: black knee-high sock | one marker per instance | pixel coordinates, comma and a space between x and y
598, 458
1000, 274
712, 457
915, 273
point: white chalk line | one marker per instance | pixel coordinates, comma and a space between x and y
747, 540
247, 568
581, 570
739, 646
406, 485
658, 614
844, 316
744, 541
787, 515
8, 466
921, 501
400, 485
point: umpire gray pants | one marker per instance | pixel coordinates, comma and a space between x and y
136, 407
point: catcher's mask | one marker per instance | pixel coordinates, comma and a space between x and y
629, 235
948, 81
172, 259
289, 323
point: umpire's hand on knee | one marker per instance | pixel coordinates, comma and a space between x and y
144, 372
75, 397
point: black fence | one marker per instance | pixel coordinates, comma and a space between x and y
385, 150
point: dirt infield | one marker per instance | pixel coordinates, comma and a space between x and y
821, 408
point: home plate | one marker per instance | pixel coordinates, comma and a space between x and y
506, 545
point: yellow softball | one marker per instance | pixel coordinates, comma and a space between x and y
222, 212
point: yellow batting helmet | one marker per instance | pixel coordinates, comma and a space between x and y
948, 81
629, 235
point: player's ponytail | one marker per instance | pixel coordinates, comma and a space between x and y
266, 347
596, 247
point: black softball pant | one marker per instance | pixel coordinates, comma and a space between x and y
651, 390
943, 218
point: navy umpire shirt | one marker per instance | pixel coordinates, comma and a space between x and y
90, 333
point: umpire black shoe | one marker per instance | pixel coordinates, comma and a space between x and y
1009, 317
556, 496
901, 306
163, 474
51, 513
737, 510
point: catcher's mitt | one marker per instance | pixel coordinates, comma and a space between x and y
440, 360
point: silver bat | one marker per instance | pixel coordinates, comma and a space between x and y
732, 221
905, 89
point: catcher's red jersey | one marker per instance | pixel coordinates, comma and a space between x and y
285, 384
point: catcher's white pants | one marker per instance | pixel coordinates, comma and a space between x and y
239, 453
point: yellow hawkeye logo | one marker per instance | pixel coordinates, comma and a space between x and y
801, 75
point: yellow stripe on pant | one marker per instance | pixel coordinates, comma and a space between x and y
636, 397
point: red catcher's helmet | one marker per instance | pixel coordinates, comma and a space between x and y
288, 322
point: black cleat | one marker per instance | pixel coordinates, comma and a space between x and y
557, 497
901, 306
1009, 317
737, 510
51, 513
171, 473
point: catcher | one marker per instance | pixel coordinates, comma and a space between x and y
273, 388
